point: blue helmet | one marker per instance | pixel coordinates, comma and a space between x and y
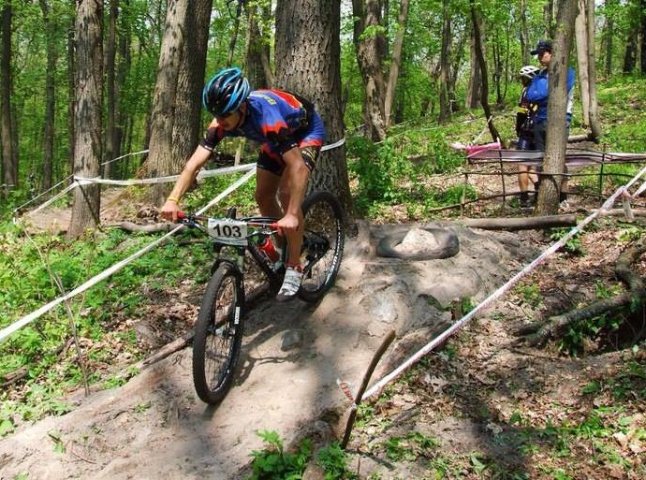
225, 92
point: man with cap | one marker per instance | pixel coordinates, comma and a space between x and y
538, 93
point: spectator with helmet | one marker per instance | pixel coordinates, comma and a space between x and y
291, 134
538, 93
524, 130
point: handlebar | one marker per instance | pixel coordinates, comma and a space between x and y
195, 220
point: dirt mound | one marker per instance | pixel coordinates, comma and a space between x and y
293, 354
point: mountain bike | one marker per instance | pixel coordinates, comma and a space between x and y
219, 327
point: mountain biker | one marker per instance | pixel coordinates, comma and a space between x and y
524, 130
538, 92
291, 134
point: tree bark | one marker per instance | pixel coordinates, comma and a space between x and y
582, 50
50, 95
524, 223
475, 77
88, 115
369, 45
484, 95
161, 160
396, 60
187, 125
111, 145
595, 122
554, 160
258, 53
445, 65
308, 62
9, 156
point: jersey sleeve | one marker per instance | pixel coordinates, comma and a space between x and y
212, 137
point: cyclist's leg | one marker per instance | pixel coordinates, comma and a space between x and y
268, 174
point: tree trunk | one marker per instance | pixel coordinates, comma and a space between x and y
50, 95
160, 160
258, 53
123, 67
630, 55
475, 77
583, 52
642, 28
595, 122
71, 88
9, 156
445, 65
609, 33
523, 35
484, 88
396, 60
369, 49
111, 145
188, 126
308, 62
554, 160
88, 122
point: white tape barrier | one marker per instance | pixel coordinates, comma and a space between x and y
26, 320
141, 152
168, 179
378, 386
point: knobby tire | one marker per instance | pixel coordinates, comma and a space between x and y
218, 334
323, 225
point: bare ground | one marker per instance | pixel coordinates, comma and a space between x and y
486, 402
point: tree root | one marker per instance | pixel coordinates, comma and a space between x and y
538, 334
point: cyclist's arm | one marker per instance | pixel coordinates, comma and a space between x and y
185, 180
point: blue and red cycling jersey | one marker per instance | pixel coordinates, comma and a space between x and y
278, 119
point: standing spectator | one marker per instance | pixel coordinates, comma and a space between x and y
538, 93
524, 130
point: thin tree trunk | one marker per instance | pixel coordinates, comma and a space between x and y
630, 55
111, 145
396, 60
88, 118
608, 35
369, 49
50, 98
475, 77
160, 160
554, 160
582, 50
484, 95
257, 56
445, 65
9, 156
642, 28
71, 88
595, 122
308, 62
523, 34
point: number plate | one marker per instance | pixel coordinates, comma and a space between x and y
228, 231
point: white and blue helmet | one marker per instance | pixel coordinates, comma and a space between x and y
225, 92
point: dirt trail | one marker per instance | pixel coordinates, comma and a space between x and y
155, 427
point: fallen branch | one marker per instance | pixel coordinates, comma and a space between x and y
148, 228
520, 223
634, 297
364, 384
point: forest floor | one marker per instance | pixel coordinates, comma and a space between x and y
483, 406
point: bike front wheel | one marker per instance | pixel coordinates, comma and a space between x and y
218, 334
322, 244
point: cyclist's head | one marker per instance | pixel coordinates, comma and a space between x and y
528, 72
225, 92
541, 47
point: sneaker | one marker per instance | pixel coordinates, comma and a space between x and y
291, 284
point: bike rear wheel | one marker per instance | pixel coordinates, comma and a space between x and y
322, 245
218, 334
